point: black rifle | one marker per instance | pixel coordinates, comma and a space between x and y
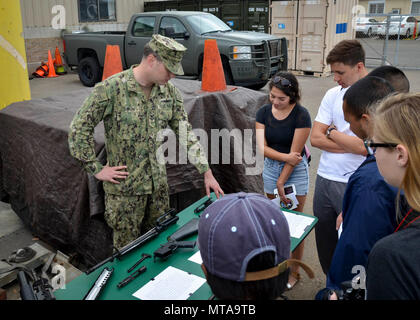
163, 222
202, 206
38, 290
188, 229
168, 248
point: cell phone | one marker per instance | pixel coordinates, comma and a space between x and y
290, 189
290, 192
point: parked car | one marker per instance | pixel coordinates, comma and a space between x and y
366, 27
249, 58
404, 29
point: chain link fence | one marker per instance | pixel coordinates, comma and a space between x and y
389, 39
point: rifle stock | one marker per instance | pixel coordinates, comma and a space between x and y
163, 222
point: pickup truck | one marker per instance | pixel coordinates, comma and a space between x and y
249, 58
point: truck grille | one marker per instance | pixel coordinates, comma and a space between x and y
258, 52
274, 46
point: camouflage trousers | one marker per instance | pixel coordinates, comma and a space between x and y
131, 216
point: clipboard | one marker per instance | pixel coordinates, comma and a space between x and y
300, 224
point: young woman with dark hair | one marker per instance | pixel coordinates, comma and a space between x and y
283, 126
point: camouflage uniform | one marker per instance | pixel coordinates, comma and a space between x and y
132, 123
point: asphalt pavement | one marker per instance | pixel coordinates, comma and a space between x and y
14, 235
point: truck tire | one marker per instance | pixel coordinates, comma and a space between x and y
89, 71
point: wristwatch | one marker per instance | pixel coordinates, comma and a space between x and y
329, 131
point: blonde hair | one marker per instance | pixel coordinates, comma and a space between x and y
397, 120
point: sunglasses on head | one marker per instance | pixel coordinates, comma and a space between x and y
371, 146
283, 81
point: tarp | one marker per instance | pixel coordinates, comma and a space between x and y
63, 205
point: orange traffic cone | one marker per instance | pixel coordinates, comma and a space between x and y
41, 71
58, 62
213, 77
57, 58
51, 70
112, 64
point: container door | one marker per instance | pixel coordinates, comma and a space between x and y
340, 18
311, 36
211, 6
257, 13
232, 14
171, 5
150, 6
188, 5
283, 24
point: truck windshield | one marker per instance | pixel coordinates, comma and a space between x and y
205, 23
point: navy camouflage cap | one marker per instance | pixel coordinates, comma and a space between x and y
169, 51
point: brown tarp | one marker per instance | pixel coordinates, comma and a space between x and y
63, 205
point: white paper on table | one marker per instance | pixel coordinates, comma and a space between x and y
196, 257
170, 284
297, 223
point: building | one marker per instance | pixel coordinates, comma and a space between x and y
44, 21
411, 7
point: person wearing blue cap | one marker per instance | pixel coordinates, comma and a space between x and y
244, 241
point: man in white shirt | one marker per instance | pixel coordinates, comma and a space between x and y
342, 150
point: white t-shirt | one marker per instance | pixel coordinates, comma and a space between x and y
336, 166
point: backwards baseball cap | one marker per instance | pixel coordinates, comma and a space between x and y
169, 51
238, 227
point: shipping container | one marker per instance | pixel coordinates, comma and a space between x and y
252, 15
172, 6
257, 15
179, 5
232, 13
211, 6
312, 29
151, 6
189, 5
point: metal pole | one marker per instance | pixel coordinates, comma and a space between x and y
385, 50
397, 48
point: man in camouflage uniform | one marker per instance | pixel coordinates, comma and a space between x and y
134, 106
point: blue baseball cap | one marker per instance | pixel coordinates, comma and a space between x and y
236, 228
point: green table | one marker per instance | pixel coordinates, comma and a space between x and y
77, 289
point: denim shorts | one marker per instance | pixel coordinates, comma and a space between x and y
299, 176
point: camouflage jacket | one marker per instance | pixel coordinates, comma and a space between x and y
132, 123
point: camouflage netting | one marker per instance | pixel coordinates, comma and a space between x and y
64, 206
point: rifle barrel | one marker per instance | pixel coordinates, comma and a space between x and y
140, 240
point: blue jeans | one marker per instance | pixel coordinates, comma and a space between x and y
299, 176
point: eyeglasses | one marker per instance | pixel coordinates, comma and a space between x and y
283, 81
371, 146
